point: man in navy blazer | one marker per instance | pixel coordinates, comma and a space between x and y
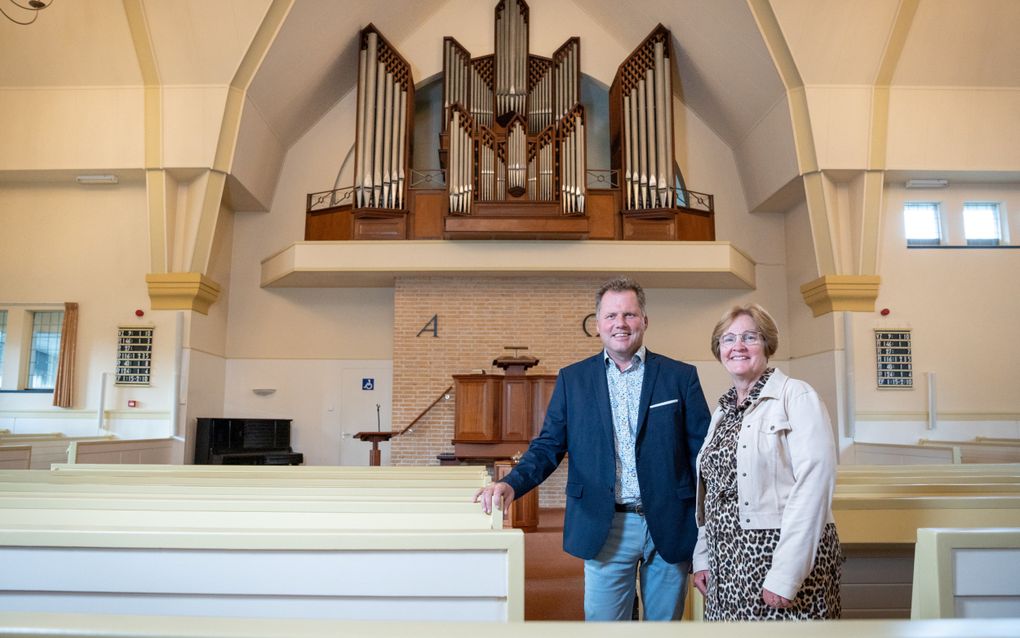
632, 423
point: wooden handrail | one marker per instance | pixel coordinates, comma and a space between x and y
425, 411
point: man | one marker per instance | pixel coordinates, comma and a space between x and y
632, 422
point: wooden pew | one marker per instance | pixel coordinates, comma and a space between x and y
305, 547
966, 573
902, 454
15, 457
53, 625
885, 473
980, 450
47, 448
122, 451
878, 511
280, 471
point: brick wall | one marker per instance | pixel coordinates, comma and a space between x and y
477, 317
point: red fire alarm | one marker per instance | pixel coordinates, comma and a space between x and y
139, 313
884, 312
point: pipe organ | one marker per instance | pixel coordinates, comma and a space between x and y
524, 117
384, 118
641, 113
513, 146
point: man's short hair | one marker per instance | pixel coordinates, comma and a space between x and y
620, 284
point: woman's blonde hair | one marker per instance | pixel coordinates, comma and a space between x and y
761, 318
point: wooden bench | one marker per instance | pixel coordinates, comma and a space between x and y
53, 625
902, 454
879, 509
47, 448
310, 546
122, 451
885, 474
15, 457
981, 450
966, 573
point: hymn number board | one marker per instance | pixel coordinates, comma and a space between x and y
894, 359
134, 355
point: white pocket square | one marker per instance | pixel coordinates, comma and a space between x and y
659, 405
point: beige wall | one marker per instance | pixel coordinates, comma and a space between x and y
961, 305
64, 242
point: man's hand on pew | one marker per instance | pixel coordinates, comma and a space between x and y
498, 492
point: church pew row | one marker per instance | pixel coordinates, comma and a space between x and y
122, 451
878, 510
47, 448
277, 471
966, 573
905, 470
15, 457
905, 474
981, 450
52, 625
117, 546
901, 454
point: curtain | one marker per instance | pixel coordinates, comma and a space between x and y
63, 390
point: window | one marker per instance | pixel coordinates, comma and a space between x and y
45, 350
981, 225
3, 340
922, 223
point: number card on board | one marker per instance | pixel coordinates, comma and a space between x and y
134, 355
894, 359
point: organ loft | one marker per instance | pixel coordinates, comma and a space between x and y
514, 148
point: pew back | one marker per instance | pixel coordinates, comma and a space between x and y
15, 457
242, 545
122, 451
966, 573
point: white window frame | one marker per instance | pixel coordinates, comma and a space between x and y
1000, 223
939, 220
18, 347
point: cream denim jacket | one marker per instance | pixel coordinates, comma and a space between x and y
786, 473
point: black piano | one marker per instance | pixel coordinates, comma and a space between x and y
225, 441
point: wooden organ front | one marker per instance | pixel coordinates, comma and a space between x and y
513, 148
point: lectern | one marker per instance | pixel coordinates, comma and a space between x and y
497, 415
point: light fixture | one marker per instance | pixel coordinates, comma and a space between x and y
263, 392
91, 180
33, 7
927, 183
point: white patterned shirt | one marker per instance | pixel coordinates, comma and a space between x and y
625, 400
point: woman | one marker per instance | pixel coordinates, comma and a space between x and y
767, 546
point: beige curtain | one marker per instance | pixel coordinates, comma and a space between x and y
63, 392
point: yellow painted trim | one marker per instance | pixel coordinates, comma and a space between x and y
182, 291
230, 127
871, 222
841, 293
155, 192
212, 205
822, 235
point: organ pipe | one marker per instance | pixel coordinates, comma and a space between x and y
645, 110
385, 91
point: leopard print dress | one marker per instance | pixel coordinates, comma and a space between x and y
740, 558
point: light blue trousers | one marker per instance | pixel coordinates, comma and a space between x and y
610, 577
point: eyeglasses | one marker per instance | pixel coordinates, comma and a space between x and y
749, 338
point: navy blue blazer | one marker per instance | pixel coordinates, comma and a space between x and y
579, 422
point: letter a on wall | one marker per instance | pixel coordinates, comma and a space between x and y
434, 322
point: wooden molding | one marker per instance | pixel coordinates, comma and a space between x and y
847, 293
182, 291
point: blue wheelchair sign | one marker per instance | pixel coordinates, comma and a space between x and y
368, 384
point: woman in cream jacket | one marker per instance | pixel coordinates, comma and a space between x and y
767, 544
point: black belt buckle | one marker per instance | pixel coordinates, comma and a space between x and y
633, 508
